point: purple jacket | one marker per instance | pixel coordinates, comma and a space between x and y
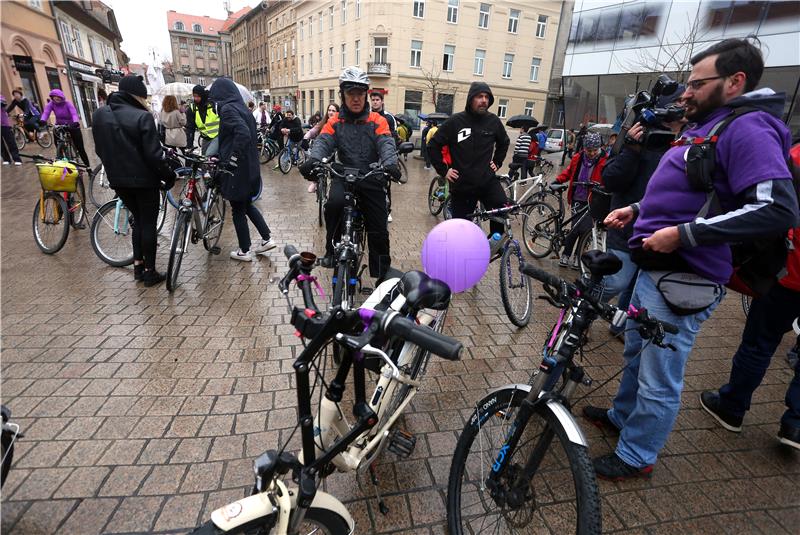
64, 111
4, 120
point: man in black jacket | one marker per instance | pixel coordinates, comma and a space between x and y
126, 140
292, 127
478, 144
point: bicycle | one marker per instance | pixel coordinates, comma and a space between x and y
267, 147
329, 442
201, 215
44, 135
540, 167
322, 196
65, 147
545, 230
521, 431
536, 188
515, 290
61, 203
439, 197
291, 154
9, 434
100, 190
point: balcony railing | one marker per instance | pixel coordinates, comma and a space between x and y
379, 69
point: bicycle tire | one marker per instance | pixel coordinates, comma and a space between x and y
54, 213
317, 521
214, 220
44, 138
564, 462
512, 279
340, 285
586, 243
100, 191
177, 248
20, 137
322, 186
161, 218
436, 199
117, 250
403, 170
7, 453
77, 201
285, 161
538, 229
746, 300
301, 158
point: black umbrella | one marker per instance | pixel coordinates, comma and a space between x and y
404, 119
438, 116
519, 121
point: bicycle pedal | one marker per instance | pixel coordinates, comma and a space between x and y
402, 443
215, 250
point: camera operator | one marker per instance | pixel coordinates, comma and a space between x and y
625, 176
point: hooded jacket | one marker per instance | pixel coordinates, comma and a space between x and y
126, 140
475, 140
64, 111
237, 137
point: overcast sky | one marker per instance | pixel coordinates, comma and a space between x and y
144, 24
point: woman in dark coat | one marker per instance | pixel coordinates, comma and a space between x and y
241, 175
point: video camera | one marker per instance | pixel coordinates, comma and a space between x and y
642, 108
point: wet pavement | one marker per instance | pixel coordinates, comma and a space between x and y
143, 410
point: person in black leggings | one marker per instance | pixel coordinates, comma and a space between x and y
126, 139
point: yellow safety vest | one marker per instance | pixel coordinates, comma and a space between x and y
210, 128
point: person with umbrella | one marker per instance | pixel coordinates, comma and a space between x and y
202, 117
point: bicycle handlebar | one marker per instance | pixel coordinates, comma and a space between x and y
425, 337
379, 170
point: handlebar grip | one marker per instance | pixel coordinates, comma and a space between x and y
290, 250
540, 275
668, 327
425, 337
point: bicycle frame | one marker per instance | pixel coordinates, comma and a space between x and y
121, 228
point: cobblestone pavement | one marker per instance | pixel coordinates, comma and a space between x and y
143, 410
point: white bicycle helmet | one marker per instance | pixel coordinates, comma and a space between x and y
353, 77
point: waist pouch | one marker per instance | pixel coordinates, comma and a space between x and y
685, 293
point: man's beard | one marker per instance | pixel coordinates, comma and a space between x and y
695, 110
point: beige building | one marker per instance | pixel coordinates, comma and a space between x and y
424, 53
196, 46
282, 52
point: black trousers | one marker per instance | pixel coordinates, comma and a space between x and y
371, 196
491, 194
10, 151
241, 211
143, 204
77, 138
579, 226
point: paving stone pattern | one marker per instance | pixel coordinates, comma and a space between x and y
143, 410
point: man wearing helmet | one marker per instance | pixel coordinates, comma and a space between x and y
360, 137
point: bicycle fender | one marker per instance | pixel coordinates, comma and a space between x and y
565, 418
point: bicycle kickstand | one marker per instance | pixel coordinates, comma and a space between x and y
374, 478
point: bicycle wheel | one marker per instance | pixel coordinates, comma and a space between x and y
591, 241
178, 246
538, 229
562, 492
214, 220
403, 171
285, 161
322, 194
301, 158
50, 223
340, 286
317, 522
20, 137
110, 234
77, 205
746, 304
436, 195
44, 138
161, 218
7, 442
100, 191
515, 288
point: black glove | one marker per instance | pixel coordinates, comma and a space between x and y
307, 169
304, 144
394, 171
41, 123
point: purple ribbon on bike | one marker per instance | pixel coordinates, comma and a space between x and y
302, 278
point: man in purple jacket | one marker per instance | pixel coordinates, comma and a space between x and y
66, 114
756, 199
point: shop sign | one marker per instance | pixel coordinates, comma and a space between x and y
23, 63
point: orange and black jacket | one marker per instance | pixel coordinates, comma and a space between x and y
357, 140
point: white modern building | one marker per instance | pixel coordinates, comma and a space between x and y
616, 48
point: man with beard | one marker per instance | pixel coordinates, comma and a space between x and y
685, 259
478, 144
202, 116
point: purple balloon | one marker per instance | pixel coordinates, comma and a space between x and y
456, 252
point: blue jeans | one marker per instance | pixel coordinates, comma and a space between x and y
769, 319
649, 394
621, 283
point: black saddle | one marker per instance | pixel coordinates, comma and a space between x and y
405, 148
421, 291
558, 187
601, 264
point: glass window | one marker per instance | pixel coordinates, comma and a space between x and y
179, 26
419, 12
330, 58
311, 63
381, 50
528, 108
321, 21
502, 108
480, 58
344, 11
449, 58
310, 26
302, 65
483, 16
294, 50
444, 103
300, 30
413, 106
607, 27
36, 4
320, 60
452, 11
508, 61
187, 79
535, 64
201, 81
197, 28
358, 51
330, 17
311, 101
78, 42
416, 53
331, 96
358, 9
344, 55
65, 37
513, 20
541, 26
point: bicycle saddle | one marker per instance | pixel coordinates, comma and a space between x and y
558, 187
513, 166
405, 148
601, 264
421, 291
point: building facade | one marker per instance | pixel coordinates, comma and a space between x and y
618, 48
90, 41
507, 44
240, 54
32, 57
281, 53
226, 41
195, 44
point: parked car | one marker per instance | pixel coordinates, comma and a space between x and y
555, 140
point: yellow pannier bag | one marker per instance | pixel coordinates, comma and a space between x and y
58, 176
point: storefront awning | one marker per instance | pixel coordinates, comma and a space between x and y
89, 78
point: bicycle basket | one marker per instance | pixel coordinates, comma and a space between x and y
58, 176
599, 205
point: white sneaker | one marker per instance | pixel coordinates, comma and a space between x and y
263, 246
242, 257
389, 219
312, 188
17, 163
564, 262
6, 163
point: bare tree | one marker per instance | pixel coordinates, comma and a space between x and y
435, 82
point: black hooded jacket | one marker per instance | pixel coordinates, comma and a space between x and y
475, 140
237, 136
126, 140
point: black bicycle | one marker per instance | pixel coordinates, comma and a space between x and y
521, 463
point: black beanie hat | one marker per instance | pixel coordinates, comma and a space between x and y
134, 85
